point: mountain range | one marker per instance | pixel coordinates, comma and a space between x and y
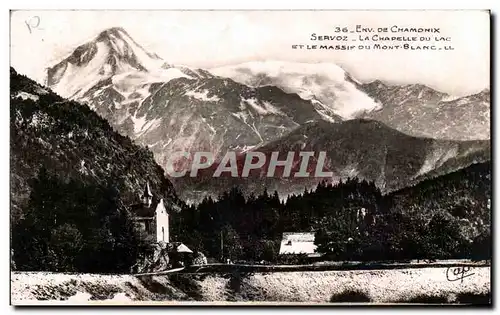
391, 134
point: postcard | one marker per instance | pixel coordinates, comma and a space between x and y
250, 157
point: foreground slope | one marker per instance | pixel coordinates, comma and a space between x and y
425, 285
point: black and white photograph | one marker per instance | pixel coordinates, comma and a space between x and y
225, 157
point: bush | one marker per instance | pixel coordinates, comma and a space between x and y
199, 259
427, 299
293, 259
350, 296
474, 298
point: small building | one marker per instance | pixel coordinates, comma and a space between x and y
152, 217
296, 243
180, 254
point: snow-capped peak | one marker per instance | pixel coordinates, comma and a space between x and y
111, 53
124, 48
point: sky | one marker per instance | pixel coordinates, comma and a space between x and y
208, 39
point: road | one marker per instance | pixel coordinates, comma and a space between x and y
327, 266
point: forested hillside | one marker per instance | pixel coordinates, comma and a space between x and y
443, 217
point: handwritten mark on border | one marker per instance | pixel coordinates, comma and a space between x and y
458, 273
33, 23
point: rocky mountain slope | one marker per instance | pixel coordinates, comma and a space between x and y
170, 108
414, 109
421, 111
359, 148
70, 140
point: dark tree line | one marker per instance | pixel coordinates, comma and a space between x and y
441, 218
69, 225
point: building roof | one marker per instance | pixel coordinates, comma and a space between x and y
177, 247
147, 191
298, 243
183, 249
